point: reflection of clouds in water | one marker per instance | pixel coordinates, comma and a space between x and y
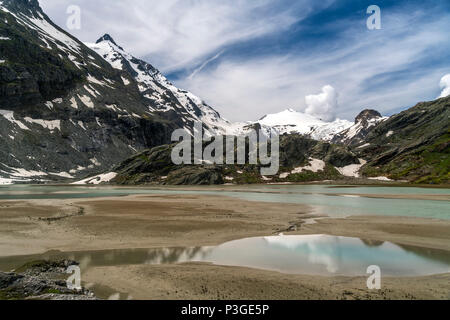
316, 249
85, 262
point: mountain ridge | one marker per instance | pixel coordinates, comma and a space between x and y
70, 110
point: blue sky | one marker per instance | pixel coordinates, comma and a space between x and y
249, 58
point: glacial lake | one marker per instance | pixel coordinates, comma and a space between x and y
311, 255
333, 201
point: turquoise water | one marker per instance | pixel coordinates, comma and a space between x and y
313, 255
331, 201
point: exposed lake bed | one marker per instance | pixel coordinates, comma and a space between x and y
190, 219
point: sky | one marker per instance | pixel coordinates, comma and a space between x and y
248, 58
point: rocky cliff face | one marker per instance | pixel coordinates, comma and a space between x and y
162, 98
365, 122
66, 112
413, 145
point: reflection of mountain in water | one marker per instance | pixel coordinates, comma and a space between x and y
115, 257
141, 256
438, 255
372, 243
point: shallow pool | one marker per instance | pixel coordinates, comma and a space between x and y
310, 254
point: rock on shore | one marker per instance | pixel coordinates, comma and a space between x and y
41, 280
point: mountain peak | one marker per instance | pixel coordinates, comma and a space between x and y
25, 6
107, 37
367, 114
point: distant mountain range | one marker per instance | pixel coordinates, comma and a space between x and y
70, 110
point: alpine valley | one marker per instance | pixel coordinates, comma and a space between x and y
92, 113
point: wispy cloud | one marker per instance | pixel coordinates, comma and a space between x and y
389, 69
250, 58
176, 34
204, 64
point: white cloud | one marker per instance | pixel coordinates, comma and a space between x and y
204, 64
445, 85
178, 33
365, 67
361, 69
323, 105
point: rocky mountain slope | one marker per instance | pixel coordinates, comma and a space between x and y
365, 122
413, 145
70, 110
301, 159
66, 112
163, 99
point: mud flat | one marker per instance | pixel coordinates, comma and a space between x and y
204, 281
155, 221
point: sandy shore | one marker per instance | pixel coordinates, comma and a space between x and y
149, 221
206, 282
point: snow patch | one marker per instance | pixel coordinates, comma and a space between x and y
5, 181
91, 91
316, 165
352, 170
62, 174
86, 101
81, 124
49, 105
9, 115
95, 162
380, 178
23, 173
48, 124
125, 81
73, 103
96, 81
363, 146
101, 178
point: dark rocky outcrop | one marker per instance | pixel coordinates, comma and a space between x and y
40, 280
367, 115
155, 166
64, 110
365, 122
413, 145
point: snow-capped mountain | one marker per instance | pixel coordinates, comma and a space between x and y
186, 108
71, 110
65, 111
160, 95
365, 122
291, 121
